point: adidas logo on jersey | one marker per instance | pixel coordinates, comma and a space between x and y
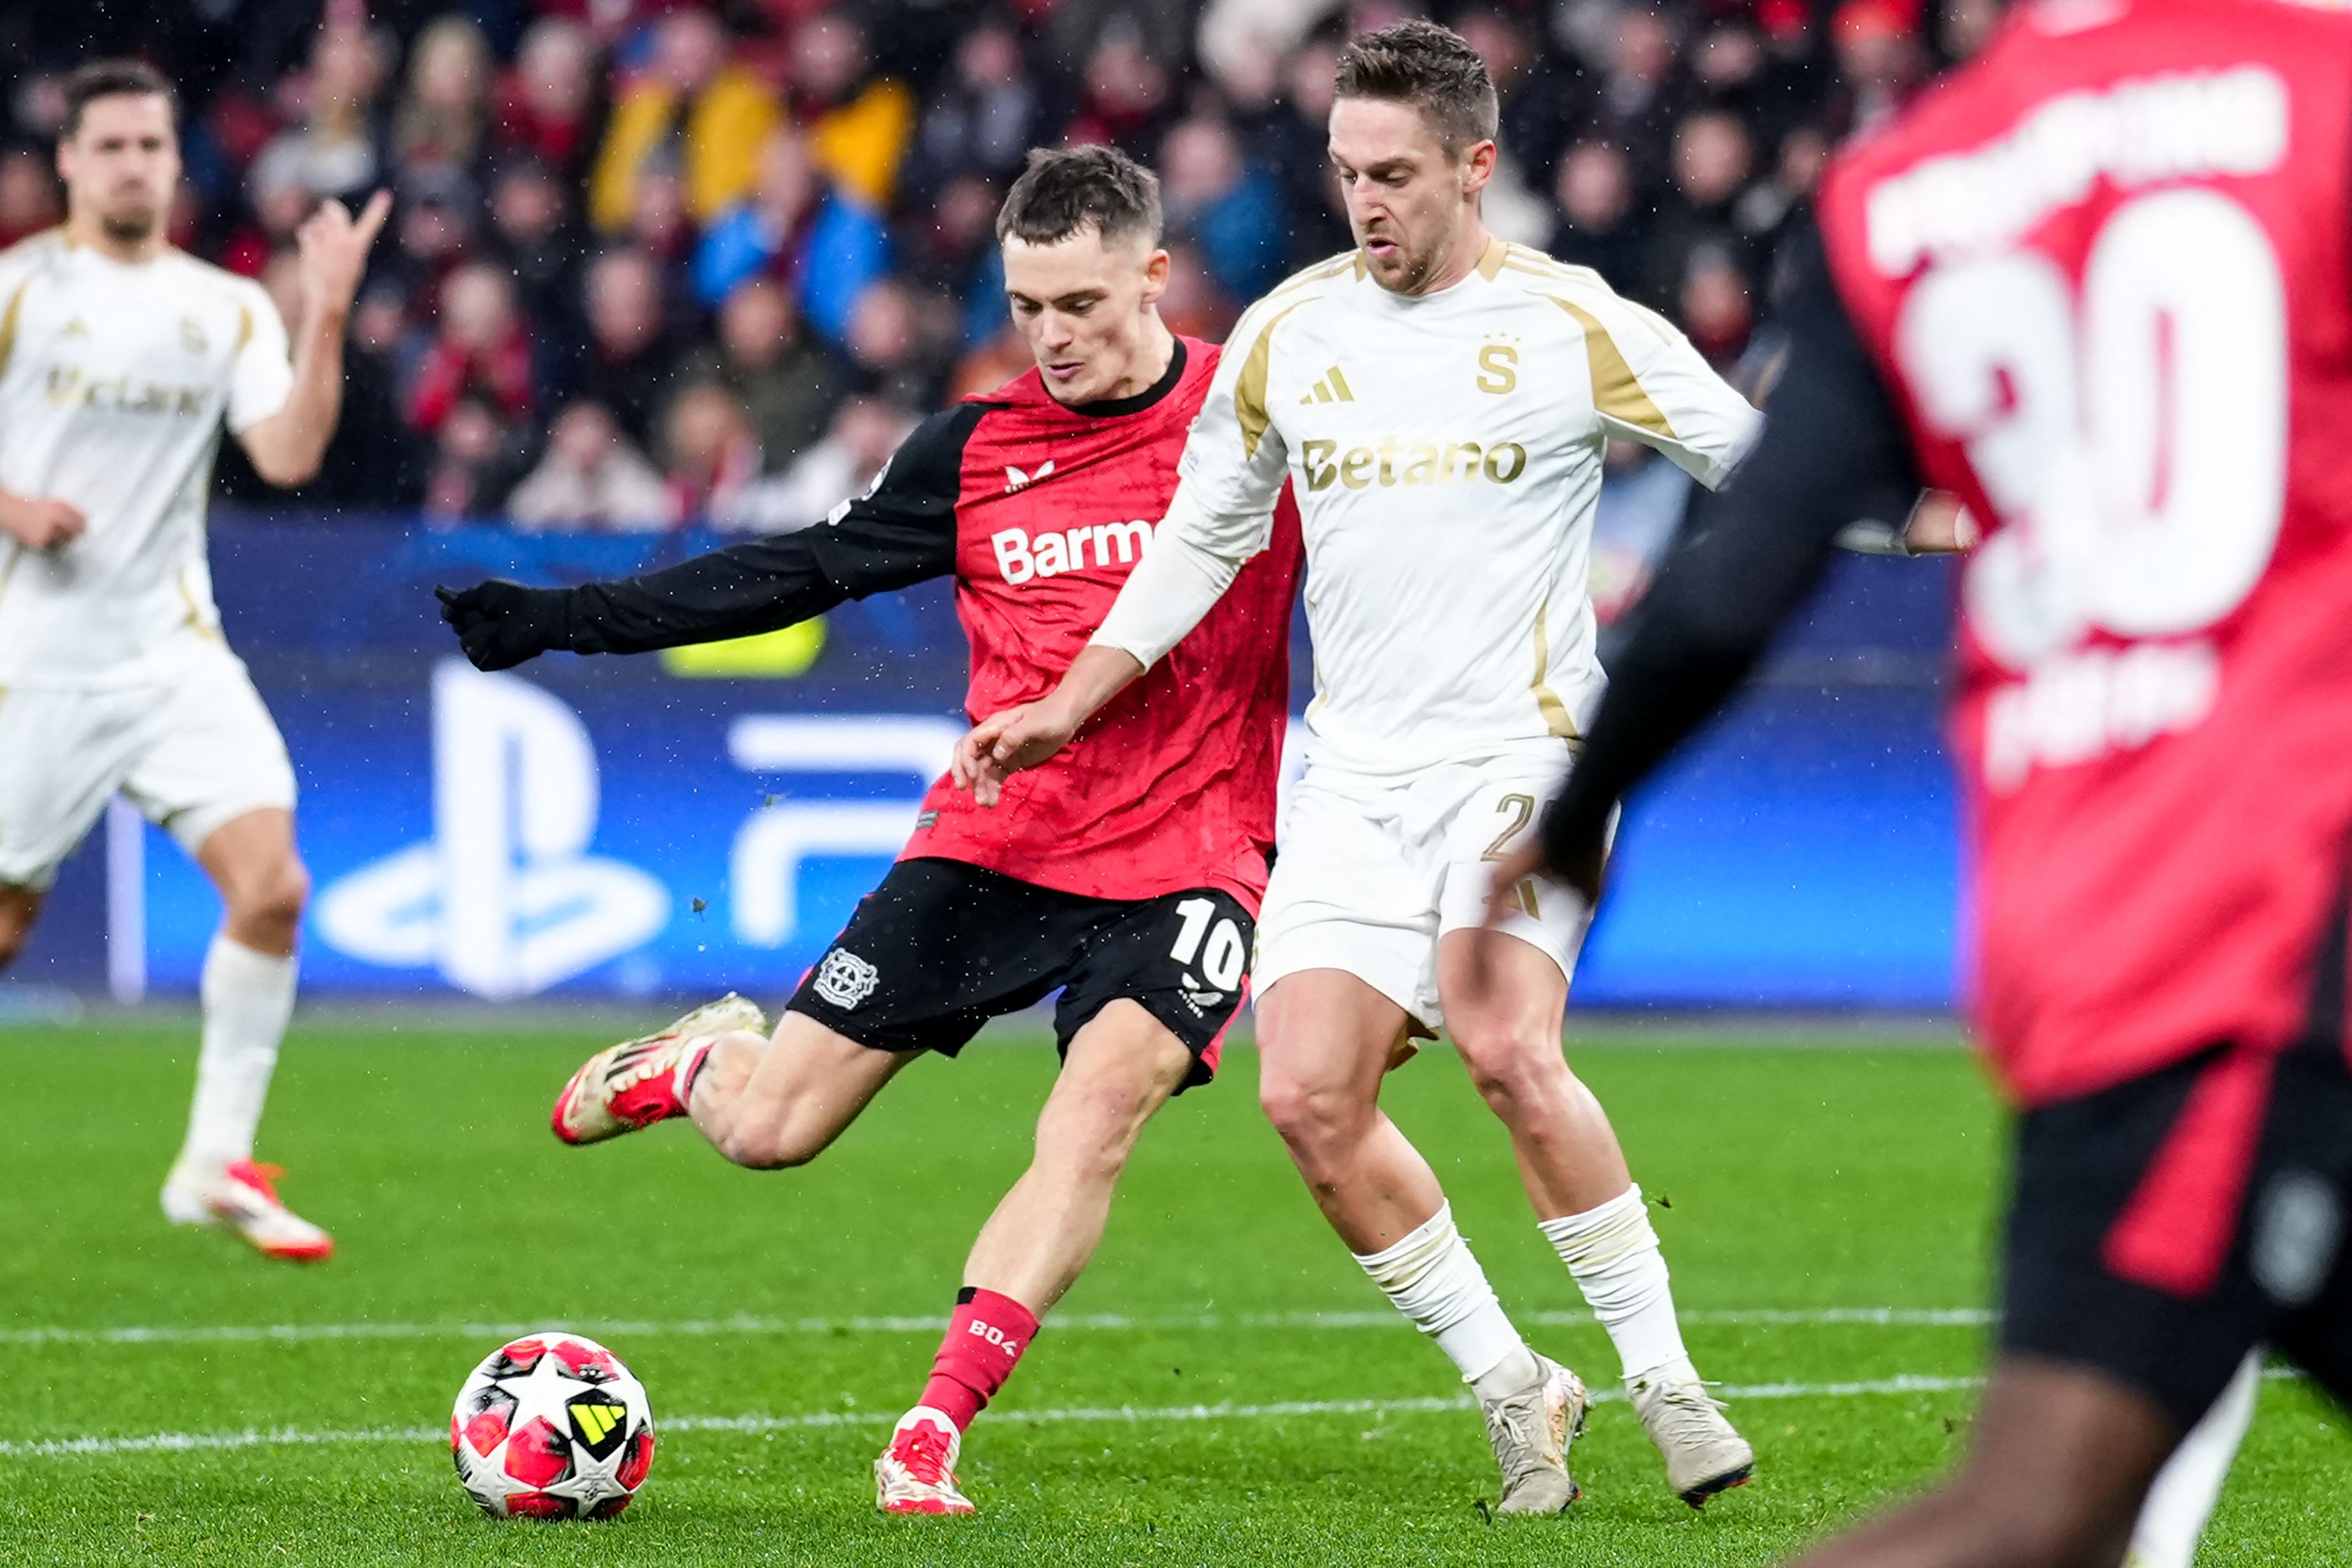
1395, 461
1015, 480
1332, 388
1022, 555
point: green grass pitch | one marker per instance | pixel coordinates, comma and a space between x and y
1224, 1386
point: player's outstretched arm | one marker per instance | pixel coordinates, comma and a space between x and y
901, 531
287, 447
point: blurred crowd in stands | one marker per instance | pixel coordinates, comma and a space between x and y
654, 263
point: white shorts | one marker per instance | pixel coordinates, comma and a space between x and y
1371, 872
191, 753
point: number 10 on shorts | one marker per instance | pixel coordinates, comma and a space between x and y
1218, 947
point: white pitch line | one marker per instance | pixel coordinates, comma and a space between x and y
297, 1333
1155, 1415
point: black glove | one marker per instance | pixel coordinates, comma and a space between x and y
501, 624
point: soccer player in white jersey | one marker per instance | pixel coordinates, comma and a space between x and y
120, 359
1440, 400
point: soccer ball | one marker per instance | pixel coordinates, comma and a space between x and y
552, 1427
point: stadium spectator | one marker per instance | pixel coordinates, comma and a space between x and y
472, 452
534, 237
890, 356
29, 195
692, 94
480, 353
548, 101
1879, 60
1712, 159
786, 384
859, 122
590, 478
864, 433
1230, 210
1594, 194
1125, 95
1712, 304
984, 116
625, 363
332, 148
826, 247
712, 455
443, 120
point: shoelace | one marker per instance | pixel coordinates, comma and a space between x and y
923, 1451
1513, 1422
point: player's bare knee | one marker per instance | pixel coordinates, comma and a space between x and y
12, 942
1512, 1067
270, 898
1318, 1120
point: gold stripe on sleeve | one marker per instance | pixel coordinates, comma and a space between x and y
1249, 391
1616, 393
8, 322
244, 329
1554, 711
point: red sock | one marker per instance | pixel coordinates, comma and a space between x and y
983, 1344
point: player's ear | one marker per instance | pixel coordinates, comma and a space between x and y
1478, 168
1155, 274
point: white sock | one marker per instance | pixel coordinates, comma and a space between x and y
2181, 1501
248, 998
1434, 1280
1612, 1254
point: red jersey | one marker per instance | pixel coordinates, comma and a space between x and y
2106, 271
1172, 784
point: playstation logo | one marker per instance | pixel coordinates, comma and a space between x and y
505, 900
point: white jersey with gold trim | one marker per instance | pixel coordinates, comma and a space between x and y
115, 380
1447, 451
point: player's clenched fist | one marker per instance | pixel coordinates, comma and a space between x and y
1003, 743
41, 524
501, 624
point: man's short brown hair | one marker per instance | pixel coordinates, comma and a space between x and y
1066, 189
115, 78
1431, 68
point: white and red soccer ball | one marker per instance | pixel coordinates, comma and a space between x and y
552, 1426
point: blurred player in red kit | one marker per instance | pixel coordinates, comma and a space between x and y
1128, 877
2097, 284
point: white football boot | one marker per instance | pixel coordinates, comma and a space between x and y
1530, 1432
637, 1083
1703, 1454
916, 1474
243, 1198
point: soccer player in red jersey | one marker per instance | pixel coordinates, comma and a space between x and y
1126, 877
2096, 283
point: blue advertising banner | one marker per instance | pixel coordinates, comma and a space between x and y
613, 826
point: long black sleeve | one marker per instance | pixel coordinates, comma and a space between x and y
1832, 447
901, 531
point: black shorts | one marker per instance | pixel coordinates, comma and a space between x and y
2162, 1229
941, 947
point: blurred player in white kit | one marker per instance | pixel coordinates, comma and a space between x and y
120, 357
